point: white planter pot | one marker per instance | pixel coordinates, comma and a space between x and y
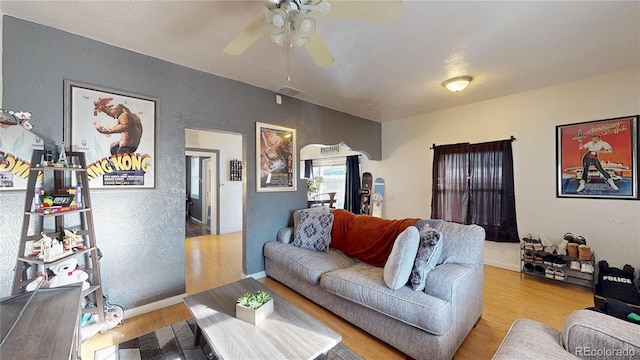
254, 316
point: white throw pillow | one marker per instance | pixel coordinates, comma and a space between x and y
398, 267
313, 231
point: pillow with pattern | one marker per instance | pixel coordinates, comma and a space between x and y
313, 231
428, 254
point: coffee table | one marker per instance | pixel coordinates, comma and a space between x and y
288, 333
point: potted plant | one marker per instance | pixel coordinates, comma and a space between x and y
254, 306
313, 186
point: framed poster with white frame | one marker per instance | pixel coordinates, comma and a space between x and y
275, 158
17, 143
116, 131
598, 159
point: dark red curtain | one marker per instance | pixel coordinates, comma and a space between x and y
473, 184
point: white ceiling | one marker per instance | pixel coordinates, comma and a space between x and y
382, 71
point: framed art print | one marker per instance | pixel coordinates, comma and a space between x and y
275, 158
17, 144
116, 131
598, 159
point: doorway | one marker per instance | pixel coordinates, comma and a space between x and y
203, 178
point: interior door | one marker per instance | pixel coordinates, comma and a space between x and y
208, 194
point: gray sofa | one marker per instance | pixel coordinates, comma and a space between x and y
429, 324
586, 335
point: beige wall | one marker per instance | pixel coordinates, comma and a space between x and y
611, 227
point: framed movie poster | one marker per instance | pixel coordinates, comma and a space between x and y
116, 131
275, 158
598, 159
16, 147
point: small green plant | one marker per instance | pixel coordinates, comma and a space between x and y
313, 185
253, 300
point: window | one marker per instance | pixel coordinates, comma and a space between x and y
473, 184
333, 173
195, 177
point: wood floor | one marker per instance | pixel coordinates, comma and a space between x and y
213, 260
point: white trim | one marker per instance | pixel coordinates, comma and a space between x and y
502, 265
133, 312
258, 275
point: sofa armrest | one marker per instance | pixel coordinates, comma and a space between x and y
443, 279
590, 334
529, 339
285, 235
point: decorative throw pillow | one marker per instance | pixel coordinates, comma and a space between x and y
313, 231
428, 254
403, 254
316, 209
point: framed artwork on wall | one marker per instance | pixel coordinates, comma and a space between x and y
275, 158
598, 159
17, 143
116, 131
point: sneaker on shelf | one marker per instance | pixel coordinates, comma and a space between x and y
568, 236
558, 261
584, 252
539, 269
548, 259
550, 249
538, 259
550, 273
580, 240
545, 242
528, 243
528, 256
528, 268
586, 267
537, 246
562, 247
575, 265
560, 275
572, 250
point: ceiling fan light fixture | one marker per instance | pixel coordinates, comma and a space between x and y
458, 83
277, 18
272, 4
303, 24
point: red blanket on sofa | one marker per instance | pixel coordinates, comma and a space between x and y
367, 238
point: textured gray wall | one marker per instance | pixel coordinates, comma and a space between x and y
141, 232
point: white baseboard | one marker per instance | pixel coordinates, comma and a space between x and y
133, 312
502, 265
258, 275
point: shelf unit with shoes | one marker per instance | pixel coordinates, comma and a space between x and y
543, 260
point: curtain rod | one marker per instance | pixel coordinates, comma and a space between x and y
512, 138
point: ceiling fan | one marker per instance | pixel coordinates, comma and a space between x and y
289, 23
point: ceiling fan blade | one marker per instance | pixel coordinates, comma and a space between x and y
319, 50
247, 37
382, 11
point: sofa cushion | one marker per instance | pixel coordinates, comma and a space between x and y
363, 284
429, 252
313, 231
307, 264
400, 262
461, 244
